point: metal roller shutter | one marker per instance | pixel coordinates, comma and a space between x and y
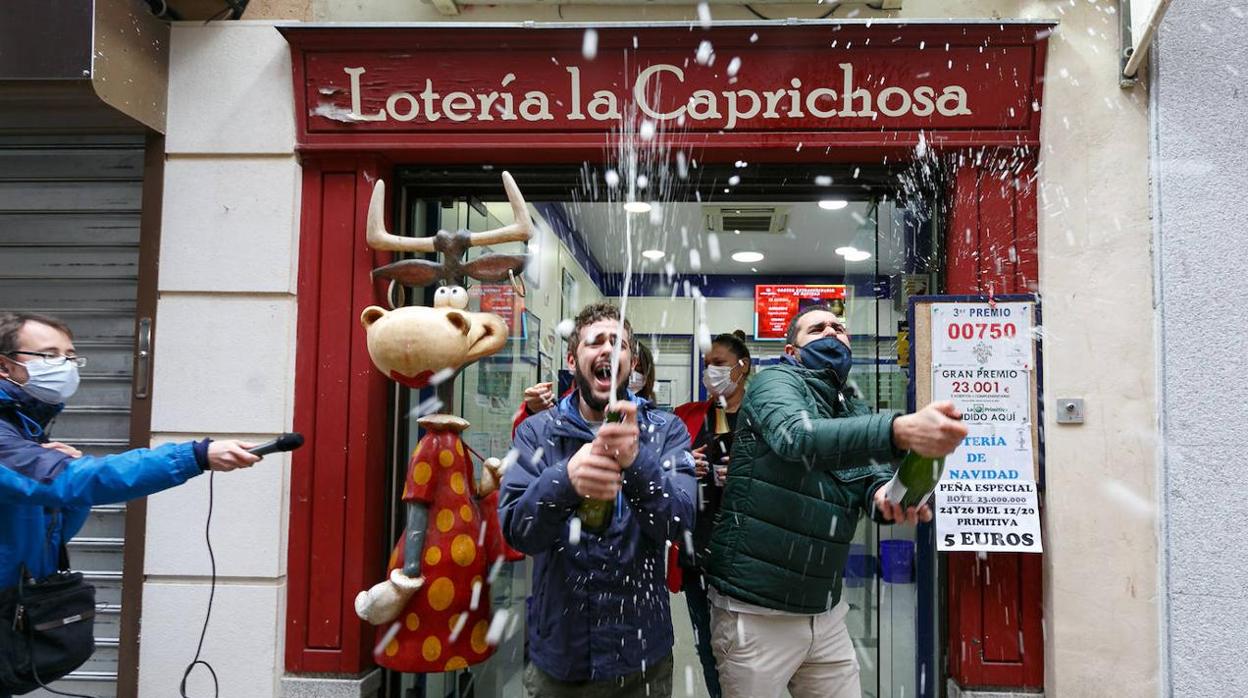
69, 247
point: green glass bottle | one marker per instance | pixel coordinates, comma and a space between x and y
595, 514
915, 480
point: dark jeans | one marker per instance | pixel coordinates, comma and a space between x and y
654, 682
694, 587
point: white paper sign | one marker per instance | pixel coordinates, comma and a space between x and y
996, 408
982, 334
985, 395
992, 452
987, 516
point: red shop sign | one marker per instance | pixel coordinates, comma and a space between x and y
857, 83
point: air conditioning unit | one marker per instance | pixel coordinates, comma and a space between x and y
767, 219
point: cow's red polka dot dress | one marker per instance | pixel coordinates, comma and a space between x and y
439, 630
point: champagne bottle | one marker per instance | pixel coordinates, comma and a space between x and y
915, 480
595, 514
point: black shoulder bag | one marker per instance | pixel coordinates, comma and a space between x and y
47, 628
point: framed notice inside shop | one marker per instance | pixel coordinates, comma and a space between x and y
776, 304
983, 354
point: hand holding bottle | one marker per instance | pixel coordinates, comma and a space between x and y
898, 514
618, 437
934, 431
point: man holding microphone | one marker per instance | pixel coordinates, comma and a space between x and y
47, 488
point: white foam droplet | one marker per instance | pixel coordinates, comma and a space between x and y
385, 639
612, 178
565, 327
733, 66
705, 52
589, 44
497, 624
647, 129
460, 622
704, 15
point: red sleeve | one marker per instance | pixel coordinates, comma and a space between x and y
521, 415
693, 414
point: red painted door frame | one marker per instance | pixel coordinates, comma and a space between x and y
995, 608
338, 481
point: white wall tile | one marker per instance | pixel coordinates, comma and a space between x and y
230, 90
223, 365
249, 514
230, 224
244, 641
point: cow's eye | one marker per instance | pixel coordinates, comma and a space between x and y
442, 297
458, 297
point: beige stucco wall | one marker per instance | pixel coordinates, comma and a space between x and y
231, 222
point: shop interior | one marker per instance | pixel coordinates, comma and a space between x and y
689, 252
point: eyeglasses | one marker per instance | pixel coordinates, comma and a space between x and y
54, 359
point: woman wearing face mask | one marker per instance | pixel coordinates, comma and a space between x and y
710, 423
542, 397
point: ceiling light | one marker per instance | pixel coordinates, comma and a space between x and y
833, 204
652, 254
747, 257
858, 256
637, 207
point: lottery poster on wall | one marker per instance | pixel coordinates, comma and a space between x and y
988, 335
982, 358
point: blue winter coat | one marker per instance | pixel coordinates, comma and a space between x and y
45, 496
598, 609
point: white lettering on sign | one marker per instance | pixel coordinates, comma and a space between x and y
791, 100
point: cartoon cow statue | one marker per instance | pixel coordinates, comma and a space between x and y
433, 611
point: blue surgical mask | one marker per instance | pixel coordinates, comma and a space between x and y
48, 383
825, 353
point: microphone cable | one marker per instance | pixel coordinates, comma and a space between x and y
212, 591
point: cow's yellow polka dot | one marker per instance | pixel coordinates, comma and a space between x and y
421, 473
413, 622
446, 519
446, 458
431, 649
456, 663
392, 648
463, 550
457, 483
459, 447
476, 580
465, 512
478, 636
441, 593
433, 556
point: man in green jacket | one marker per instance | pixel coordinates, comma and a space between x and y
807, 459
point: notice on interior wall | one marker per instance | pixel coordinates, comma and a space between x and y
988, 516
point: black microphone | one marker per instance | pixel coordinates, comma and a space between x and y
285, 442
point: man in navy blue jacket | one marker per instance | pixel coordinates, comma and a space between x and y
47, 488
598, 618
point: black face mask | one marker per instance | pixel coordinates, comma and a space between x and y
825, 353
